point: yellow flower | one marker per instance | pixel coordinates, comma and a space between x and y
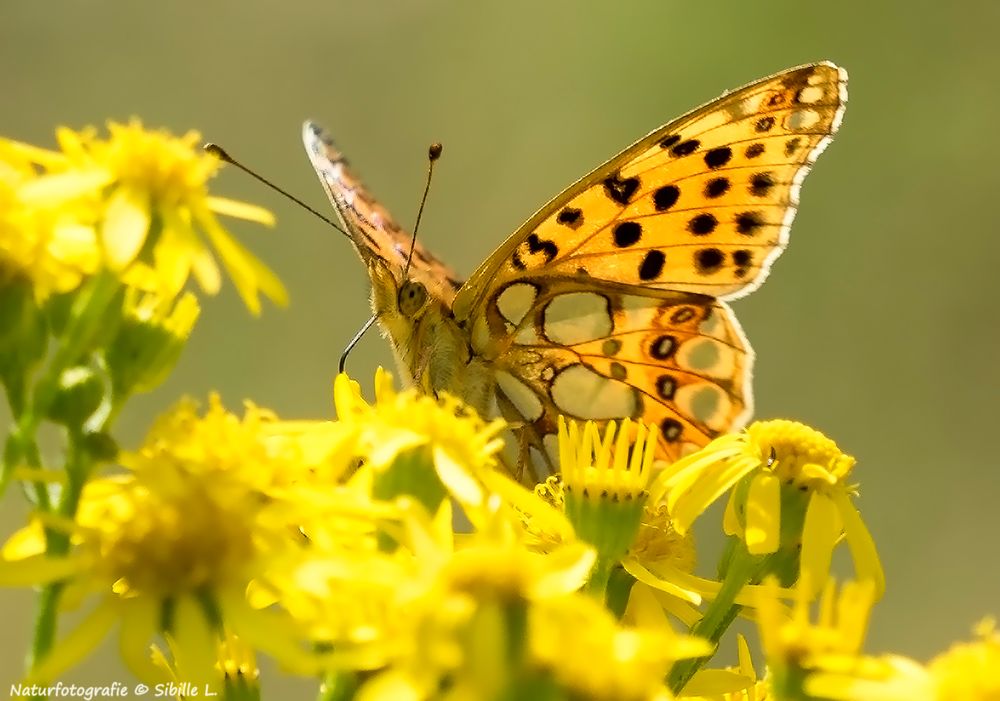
51, 248
782, 471
969, 671
602, 489
152, 208
590, 655
172, 544
796, 647
419, 445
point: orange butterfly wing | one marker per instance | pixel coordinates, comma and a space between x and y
607, 302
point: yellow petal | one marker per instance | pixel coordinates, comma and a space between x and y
38, 569
391, 685
681, 475
456, 478
670, 586
51, 160
125, 226
686, 506
644, 609
77, 645
745, 659
24, 542
248, 273
206, 271
866, 560
75, 244
763, 528
730, 521
174, 254
568, 567
63, 187
138, 626
195, 651
269, 632
820, 533
240, 210
179, 241
707, 682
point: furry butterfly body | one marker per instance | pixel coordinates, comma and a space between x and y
610, 301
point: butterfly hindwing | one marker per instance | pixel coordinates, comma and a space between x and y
675, 359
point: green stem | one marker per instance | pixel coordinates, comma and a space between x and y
742, 569
619, 587
46, 620
57, 542
597, 585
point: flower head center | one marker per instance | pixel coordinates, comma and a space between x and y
799, 454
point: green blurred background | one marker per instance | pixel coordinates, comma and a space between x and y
879, 325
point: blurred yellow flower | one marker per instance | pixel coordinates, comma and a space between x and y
594, 658
146, 193
51, 248
795, 646
969, 671
171, 545
420, 445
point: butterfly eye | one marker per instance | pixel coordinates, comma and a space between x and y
412, 296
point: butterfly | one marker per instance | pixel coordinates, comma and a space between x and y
611, 300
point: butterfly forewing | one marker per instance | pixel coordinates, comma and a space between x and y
703, 203
374, 232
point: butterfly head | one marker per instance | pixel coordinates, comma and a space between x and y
395, 298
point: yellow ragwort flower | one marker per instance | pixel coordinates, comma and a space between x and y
780, 470
408, 438
969, 671
148, 195
796, 647
172, 544
604, 483
594, 658
52, 248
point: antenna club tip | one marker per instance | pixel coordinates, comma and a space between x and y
217, 151
434, 152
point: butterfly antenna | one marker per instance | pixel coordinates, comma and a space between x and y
433, 154
223, 155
